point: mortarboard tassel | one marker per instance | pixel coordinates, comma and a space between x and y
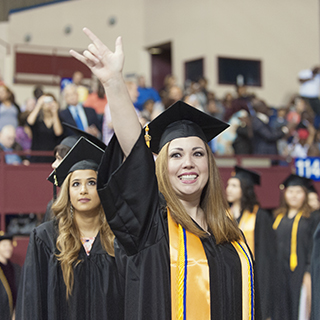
147, 137
55, 184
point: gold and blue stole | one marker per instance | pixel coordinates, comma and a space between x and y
190, 283
248, 302
190, 279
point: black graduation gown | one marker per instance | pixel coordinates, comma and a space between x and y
288, 283
315, 275
264, 248
42, 292
130, 196
14, 270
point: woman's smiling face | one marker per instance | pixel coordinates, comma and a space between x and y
188, 167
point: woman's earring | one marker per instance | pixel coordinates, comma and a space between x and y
71, 211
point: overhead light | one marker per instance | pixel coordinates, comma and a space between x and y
68, 29
27, 37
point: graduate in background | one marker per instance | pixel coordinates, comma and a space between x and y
9, 278
256, 224
182, 254
313, 197
69, 272
294, 224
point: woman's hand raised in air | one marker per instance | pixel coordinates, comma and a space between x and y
104, 63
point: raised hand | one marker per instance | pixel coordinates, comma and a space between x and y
104, 63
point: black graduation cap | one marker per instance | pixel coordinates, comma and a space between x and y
312, 188
5, 236
69, 141
90, 137
249, 175
83, 155
295, 180
182, 120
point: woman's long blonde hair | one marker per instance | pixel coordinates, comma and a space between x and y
213, 202
68, 241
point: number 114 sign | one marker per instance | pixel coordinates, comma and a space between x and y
308, 168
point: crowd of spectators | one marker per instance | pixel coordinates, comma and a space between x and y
291, 130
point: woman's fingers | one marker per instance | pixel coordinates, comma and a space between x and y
78, 56
95, 40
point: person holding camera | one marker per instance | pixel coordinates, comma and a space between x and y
46, 126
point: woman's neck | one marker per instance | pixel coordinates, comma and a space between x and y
292, 212
196, 213
7, 103
3, 260
88, 224
236, 209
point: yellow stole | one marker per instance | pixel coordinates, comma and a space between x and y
247, 224
294, 235
190, 282
248, 302
5, 283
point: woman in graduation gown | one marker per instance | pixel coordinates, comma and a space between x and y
9, 277
181, 255
294, 224
69, 271
256, 224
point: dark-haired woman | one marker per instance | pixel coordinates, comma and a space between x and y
46, 126
294, 224
256, 224
70, 272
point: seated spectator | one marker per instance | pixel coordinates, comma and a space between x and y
313, 198
301, 142
145, 93
8, 144
46, 127
297, 107
97, 100
107, 126
214, 107
23, 131
75, 114
174, 94
192, 100
169, 81
277, 122
9, 110
83, 91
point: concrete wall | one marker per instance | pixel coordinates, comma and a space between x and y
284, 35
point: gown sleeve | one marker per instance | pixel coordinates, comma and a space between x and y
129, 195
265, 253
33, 286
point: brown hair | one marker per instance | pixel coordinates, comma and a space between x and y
284, 208
213, 202
68, 241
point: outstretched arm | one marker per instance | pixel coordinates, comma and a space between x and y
107, 66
